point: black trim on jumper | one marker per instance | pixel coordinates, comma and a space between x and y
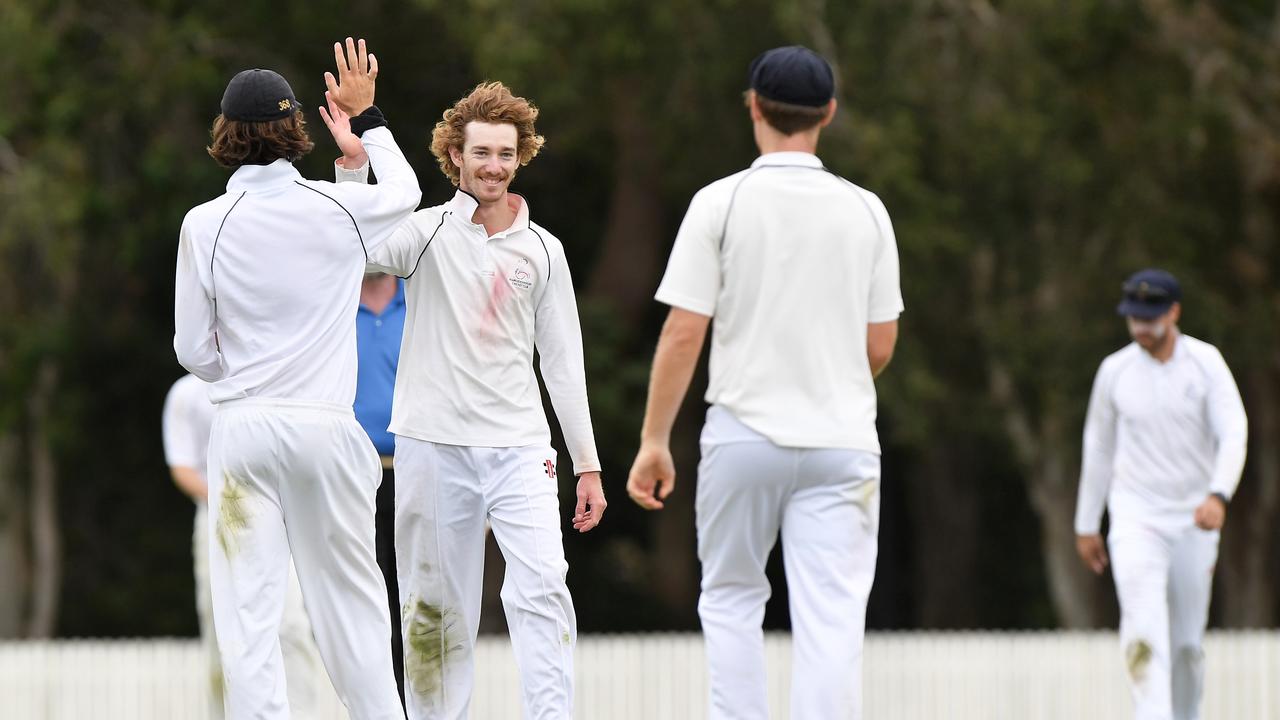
545, 250
345, 210
447, 213
214, 252
724, 230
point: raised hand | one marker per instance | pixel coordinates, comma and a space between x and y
352, 90
339, 124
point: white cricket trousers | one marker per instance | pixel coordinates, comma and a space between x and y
303, 669
827, 504
1163, 568
296, 477
444, 494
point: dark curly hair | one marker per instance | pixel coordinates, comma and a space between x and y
237, 142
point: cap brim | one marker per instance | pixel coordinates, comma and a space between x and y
1141, 310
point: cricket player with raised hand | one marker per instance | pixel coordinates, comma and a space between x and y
1164, 446
268, 282
799, 268
485, 286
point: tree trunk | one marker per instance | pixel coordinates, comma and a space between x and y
944, 505
1078, 596
634, 231
13, 567
46, 537
1246, 559
1043, 452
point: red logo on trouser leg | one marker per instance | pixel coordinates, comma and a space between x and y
551, 468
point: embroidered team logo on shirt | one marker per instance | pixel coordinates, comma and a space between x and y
522, 276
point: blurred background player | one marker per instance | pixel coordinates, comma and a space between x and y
186, 422
486, 287
267, 288
1164, 446
379, 327
799, 268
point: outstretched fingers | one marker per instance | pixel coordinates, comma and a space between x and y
340, 58
353, 61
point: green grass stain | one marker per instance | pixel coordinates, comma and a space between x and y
431, 642
233, 514
867, 494
1137, 657
216, 684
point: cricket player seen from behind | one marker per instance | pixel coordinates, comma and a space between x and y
1164, 446
268, 282
485, 286
799, 268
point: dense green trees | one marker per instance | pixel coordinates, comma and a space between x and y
1031, 154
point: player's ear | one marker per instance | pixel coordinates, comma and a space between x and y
830, 114
455, 154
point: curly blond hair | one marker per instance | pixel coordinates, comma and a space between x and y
490, 102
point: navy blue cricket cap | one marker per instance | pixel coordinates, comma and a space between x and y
794, 75
1148, 294
258, 95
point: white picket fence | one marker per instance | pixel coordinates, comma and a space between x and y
908, 676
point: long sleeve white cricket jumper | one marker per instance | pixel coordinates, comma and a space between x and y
1160, 437
478, 307
268, 278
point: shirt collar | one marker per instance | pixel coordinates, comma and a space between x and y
260, 177
464, 205
788, 158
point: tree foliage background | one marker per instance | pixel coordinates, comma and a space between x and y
1031, 153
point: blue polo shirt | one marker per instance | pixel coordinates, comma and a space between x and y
378, 345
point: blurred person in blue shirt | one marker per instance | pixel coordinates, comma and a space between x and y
379, 325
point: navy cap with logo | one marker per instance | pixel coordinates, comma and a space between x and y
1148, 294
794, 75
258, 95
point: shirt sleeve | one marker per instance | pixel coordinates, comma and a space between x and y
400, 252
885, 302
195, 340
692, 280
180, 441
1098, 463
1230, 427
558, 337
379, 209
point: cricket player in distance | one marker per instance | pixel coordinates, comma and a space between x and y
486, 286
186, 422
799, 268
268, 282
1164, 446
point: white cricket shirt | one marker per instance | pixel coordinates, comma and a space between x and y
186, 423
1160, 437
269, 275
793, 262
478, 305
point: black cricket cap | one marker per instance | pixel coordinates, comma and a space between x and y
1148, 294
794, 75
258, 95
